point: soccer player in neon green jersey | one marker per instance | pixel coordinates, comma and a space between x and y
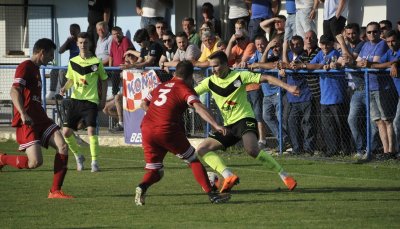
228, 90
85, 71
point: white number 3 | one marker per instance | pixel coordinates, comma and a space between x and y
162, 97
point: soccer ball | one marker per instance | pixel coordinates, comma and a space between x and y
214, 180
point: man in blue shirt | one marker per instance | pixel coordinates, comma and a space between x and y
300, 107
391, 60
333, 99
371, 52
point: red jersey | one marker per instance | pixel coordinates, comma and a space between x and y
168, 102
27, 77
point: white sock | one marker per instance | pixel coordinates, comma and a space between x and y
121, 123
283, 175
227, 173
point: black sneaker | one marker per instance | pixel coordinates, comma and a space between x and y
118, 128
385, 156
217, 198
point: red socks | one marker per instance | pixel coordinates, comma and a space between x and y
60, 169
200, 175
16, 161
151, 177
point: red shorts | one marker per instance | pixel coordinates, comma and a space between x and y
156, 144
36, 134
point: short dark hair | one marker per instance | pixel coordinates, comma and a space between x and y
182, 34
220, 55
184, 69
391, 33
75, 26
44, 44
387, 23
353, 26
374, 23
282, 17
260, 37
84, 35
151, 29
116, 28
297, 38
189, 19
141, 35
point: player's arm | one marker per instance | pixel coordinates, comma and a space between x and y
103, 98
66, 87
206, 116
145, 104
275, 81
17, 99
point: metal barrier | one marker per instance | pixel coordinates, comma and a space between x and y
193, 119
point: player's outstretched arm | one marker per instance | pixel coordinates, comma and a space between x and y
206, 116
275, 81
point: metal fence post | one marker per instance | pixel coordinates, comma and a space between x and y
367, 111
280, 113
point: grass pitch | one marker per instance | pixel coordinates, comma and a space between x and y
330, 194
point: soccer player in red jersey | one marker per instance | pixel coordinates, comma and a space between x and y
163, 130
33, 127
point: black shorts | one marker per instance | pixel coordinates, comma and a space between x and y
236, 131
81, 109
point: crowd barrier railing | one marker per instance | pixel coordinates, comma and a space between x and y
208, 72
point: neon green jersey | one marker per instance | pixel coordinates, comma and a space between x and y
230, 94
86, 74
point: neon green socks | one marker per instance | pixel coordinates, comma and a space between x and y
268, 161
94, 146
215, 162
73, 146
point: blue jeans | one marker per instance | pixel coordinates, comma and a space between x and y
290, 27
356, 121
271, 114
300, 126
255, 99
303, 22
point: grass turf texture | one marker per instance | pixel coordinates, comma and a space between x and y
330, 194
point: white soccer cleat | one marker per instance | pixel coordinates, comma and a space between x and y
140, 196
95, 167
79, 163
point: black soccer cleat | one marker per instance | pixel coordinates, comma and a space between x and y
217, 198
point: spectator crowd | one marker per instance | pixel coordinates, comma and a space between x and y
329, 115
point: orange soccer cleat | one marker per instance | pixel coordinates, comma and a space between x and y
290, 183
59, 195
229, 182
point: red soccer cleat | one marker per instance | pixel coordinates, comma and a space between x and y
59, 195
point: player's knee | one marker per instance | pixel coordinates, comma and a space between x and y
190, 159
252, 151
35, 163
63, 148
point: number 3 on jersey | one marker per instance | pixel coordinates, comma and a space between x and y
162, 97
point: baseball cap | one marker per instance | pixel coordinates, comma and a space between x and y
326, 39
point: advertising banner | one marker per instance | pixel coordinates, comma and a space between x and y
136, 86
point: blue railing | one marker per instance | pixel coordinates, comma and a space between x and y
208, 71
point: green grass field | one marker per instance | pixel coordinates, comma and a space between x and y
330, 194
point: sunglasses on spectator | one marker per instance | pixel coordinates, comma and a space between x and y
168, 40
372, 31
